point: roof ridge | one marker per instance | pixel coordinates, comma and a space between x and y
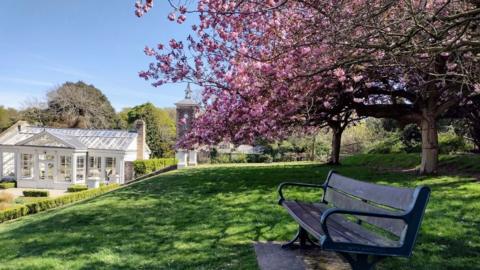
87, 129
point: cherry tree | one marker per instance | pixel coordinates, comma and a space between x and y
266, 65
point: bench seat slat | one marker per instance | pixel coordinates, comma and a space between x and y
341, 200
340, 229
395, 197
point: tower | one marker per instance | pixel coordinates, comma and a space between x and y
185, 114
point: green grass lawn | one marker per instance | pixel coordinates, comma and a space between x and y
208, 218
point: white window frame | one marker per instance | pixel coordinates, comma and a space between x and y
65, 169
30, 162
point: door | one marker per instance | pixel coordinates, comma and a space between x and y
46, 162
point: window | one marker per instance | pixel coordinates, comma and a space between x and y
46, 165
27, 165
94, 166
65, 168
8, 164
44, 157
80, 168
110, 167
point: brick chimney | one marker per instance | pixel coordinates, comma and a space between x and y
140, 127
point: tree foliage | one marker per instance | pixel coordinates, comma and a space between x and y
8, 116
72, 105
268, 66
79, 105
160, 128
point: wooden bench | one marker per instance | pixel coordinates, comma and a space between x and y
364, 222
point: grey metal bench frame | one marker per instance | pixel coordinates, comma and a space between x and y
337, 222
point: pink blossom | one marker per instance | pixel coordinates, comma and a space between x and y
149, 51
182, 9
181, 19
357, 78
476, 88
340, 74
451, 66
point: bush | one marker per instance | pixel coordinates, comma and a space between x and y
390, 145
259, 158
411, 138
252, 158
265, 158
239, 158
288, 157
5, 185
449, 143
13, 213
6, 197
142, 167
48, 203
36, 193
222, 158
77, 188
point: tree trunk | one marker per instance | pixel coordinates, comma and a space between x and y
336, 143
314, 142
429, 165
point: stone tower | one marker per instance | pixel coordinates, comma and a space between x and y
186, 109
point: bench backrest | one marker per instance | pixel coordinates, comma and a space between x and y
348, 193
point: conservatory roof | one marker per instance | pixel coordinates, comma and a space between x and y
73, 138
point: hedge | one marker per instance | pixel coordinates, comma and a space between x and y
49, 203
36, 193
5, 185
142, 167
77, 188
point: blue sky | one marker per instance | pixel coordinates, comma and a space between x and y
45, 43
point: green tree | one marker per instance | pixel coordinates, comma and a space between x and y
160, 128
8, 116
80, 105
122, 119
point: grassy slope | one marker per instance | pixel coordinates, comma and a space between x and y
207, 218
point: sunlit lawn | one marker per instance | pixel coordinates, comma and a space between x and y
208, 218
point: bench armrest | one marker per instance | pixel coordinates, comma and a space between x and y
284, 184
332, 211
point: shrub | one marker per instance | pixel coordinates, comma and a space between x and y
411, 138
48, 203
259, 158
36, 193
449, 142
265, 158
13, 213
239, 158
222, 158
252, 158
77, 188
5, 185
288, 157
6, 197
142, 167
389, 145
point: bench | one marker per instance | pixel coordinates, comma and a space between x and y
361, 221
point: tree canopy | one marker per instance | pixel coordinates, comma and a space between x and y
160, 128
73, 105
268, 67
80, 105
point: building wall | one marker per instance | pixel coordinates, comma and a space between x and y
187, 113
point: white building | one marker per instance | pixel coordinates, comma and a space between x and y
55, 158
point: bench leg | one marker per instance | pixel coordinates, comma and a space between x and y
303, 238
361, 261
